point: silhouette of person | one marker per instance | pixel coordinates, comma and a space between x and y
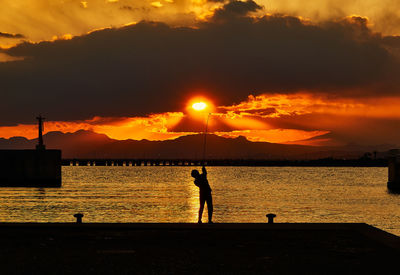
200, 180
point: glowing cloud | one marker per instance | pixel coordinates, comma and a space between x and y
152, 127
293, 119
157, 4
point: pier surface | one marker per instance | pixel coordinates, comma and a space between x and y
94, 248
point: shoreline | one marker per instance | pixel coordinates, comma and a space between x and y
327, 162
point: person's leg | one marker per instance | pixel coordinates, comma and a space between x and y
210, 208
202, 201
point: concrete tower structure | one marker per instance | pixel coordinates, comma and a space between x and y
40, 145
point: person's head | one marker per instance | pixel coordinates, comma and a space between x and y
195, 173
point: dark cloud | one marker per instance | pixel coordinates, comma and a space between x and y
151, 67
11, 35
260, 112
126, 8
392, 42
235, 9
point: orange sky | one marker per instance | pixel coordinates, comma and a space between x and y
340, 111
257, 119
48, 19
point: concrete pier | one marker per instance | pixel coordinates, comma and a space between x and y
30, 168
393, 183
87, 248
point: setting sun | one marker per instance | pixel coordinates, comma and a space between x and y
199, 106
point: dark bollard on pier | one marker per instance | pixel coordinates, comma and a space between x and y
78, 217
270, 217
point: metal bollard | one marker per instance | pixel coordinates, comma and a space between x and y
270, 217
78, 217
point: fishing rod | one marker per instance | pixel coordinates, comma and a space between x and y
205, 139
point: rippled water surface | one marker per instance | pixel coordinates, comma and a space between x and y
240, 194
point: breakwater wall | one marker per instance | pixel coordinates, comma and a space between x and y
225, 162
30, 168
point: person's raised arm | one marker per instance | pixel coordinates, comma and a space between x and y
203, 169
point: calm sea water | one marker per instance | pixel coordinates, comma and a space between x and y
240, 194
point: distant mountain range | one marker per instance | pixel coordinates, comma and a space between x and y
87, 144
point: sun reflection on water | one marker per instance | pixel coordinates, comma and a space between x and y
240, 194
